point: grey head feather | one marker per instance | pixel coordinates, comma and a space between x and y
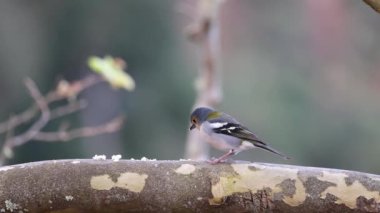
202, 113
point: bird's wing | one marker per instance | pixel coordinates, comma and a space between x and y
238, 131
230, 126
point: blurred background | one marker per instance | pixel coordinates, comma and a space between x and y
304, 75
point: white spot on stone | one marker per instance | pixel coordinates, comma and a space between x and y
99, 157
147, 159
116, 157
75, 161
11, 206
185, 169
199, 198
2, 210
50, 201
6, 168
69, 197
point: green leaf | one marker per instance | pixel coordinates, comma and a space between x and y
112, 70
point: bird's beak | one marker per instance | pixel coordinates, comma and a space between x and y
192, 126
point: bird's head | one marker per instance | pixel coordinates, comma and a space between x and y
200, 115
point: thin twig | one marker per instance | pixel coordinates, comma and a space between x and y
52, 96
67, 135
40, 123
64, 91
68, 109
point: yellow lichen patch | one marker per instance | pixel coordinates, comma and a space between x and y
248, 180
102, 182
185, 169
132, 181
346, 194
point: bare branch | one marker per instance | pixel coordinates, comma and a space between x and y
64, 91
67, 135
11, 142
72, 107
56, 95
40, 123
17, 120
205, 31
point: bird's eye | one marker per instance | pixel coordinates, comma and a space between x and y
194, 121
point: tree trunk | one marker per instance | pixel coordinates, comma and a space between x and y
183, 186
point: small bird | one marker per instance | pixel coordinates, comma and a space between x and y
225, 133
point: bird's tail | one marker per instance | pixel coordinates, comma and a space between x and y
270, 149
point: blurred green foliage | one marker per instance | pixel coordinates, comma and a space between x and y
307, 85
112, 69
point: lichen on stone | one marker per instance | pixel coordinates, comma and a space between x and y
251, 180
346, 194
134, 182
185, 169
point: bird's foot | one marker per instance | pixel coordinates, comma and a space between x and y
214, 161
223, 158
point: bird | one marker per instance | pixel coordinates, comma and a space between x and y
225, 133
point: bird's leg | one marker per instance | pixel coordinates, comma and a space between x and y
223, 157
